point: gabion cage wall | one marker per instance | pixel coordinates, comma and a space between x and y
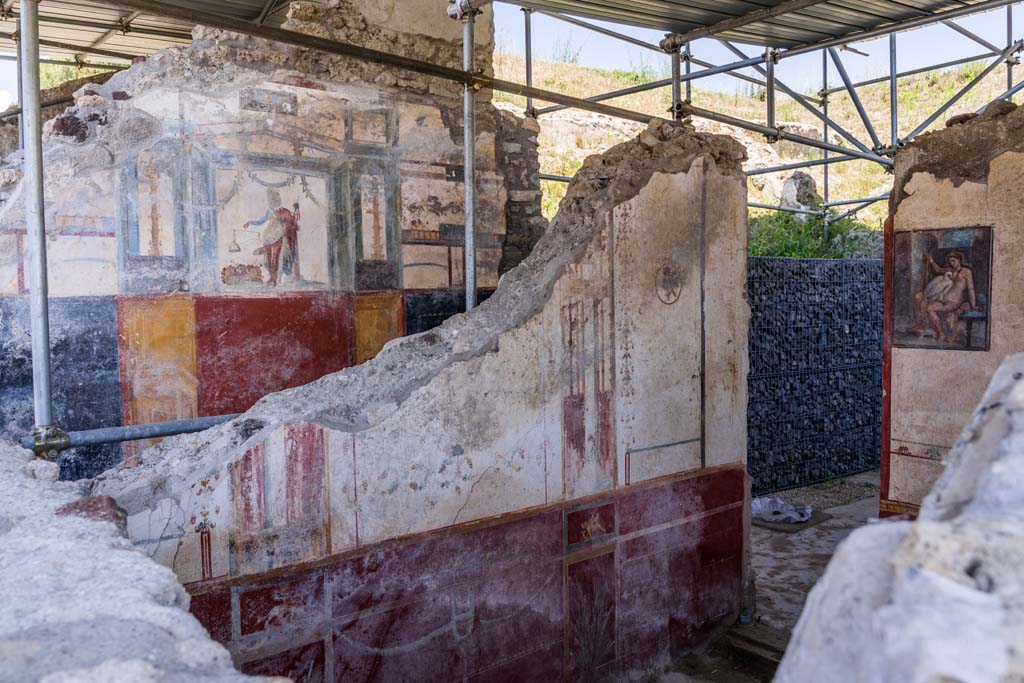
815, 406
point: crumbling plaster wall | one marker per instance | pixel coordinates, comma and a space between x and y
942, 598
966, 176
597, 397
80, 602
170, 299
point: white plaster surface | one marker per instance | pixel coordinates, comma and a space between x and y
934, 392
80, 603
940, 599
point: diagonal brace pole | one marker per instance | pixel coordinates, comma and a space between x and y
802, 101
966, 89
854, 96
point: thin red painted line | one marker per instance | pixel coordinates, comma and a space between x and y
19, 246
355, 488
545, 471
889, 265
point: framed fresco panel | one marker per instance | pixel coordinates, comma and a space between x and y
942, 281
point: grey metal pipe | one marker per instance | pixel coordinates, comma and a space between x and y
915, 72
894, 105
800, 164
155, 430
787, 209
555, 178
824, 111
963, 91
688, 57
974, 36
75, 48
65, 62
848, 202
469, 150
770, 90
528, 19
861, 111
35, 216
42, 105
803, 102
1009, 39
602, 30
21, 98
677, 85
846, 214
1008, 95
782, 134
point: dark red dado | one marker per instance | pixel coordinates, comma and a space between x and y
618, 582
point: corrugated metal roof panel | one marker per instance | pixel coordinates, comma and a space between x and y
827, 19
85, 23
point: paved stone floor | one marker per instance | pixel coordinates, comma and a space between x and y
787, 565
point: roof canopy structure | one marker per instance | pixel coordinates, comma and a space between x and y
84, 28
772, 23
80, 28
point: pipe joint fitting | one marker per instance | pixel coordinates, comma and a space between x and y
49, 440
462, 9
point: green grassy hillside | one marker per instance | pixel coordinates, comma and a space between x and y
918, 97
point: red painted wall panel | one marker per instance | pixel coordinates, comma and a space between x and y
632, 577
248, 347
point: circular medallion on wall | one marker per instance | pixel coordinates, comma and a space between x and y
668, 284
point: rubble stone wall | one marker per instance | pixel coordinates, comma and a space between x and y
562, 465
955, 246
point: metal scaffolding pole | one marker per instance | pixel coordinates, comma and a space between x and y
963, 91
35, 221
915, 72
528, 26
770, 89
1009, 40
894, 105
801, 164
469, 150
21, 99
155, 430
688, 58
803, 102
677, 85
786, 209
861, 111
824, 107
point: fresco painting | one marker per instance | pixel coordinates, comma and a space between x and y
272, 230
942, 289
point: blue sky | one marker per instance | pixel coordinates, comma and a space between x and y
919, 48
551, 37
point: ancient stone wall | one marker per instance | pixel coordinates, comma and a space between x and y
954, 287
237, 217
519, 161
562, 465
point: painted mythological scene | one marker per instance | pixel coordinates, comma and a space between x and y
941, 289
